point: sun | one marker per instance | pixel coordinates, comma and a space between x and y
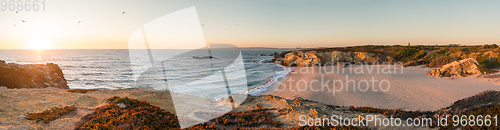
39, 43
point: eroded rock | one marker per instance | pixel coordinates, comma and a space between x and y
31, 76
314, 58
457, 68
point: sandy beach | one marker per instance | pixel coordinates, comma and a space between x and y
409, 90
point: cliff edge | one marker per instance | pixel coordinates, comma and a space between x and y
315, 58
31, 76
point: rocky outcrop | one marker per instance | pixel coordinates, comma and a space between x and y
457, 68
301, 59
31, 76
314, 58
279, 56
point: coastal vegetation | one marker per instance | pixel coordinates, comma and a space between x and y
126, 113
50, 115
488, 56
81, 90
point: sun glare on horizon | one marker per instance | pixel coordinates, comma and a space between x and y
39, 43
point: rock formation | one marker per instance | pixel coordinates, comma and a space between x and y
31, 76
279, 56
457, 68
315, 58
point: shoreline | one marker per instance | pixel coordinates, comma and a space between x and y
273, 80
20, 101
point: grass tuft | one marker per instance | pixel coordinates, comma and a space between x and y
252, 118
50, 115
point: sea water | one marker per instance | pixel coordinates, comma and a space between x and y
112, 69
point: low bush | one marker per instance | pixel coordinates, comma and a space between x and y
250, 118
125, 113
408, 54
376, 110
440, 61
81, 90
50, 115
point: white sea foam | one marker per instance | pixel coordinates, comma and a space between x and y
274, 78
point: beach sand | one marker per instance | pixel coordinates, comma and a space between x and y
17, 103
409, 90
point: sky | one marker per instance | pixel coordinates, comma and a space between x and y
257, 23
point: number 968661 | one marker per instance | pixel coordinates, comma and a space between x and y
22, 5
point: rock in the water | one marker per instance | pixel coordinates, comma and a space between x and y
31, 76
204, 57
279, 56
457, 68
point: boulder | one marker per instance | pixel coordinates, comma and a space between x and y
457, 68
31, 76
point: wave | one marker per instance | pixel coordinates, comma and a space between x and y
263, 61
273, 80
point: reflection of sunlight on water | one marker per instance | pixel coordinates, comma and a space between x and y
38, 55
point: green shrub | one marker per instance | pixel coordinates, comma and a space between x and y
407, 54
486, 64
440, 61
252, 118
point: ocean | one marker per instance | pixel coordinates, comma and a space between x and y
113, 69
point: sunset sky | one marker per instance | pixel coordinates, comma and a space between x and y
258, 23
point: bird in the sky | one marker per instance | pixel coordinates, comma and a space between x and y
123, 12
79, 22
23, 21
202, 24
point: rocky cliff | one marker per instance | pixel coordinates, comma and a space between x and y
31, 76
316, 58
458, 68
